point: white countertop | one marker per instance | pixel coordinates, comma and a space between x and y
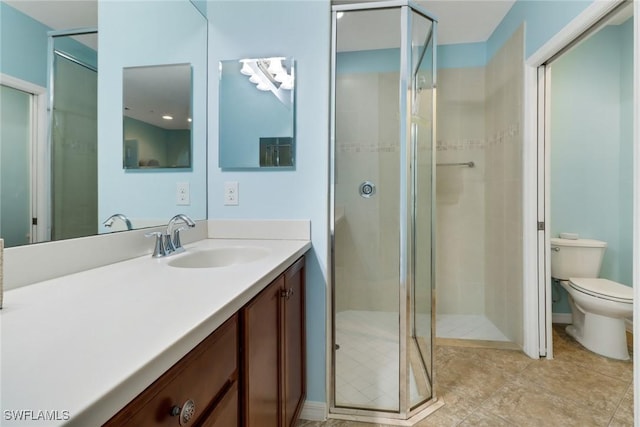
83, 345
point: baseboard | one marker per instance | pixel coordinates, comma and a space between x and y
314, 411
564, 318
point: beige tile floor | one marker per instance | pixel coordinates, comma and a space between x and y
493, 387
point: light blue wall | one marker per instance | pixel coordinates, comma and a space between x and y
301, 29
141, 33
543, 19
462, 55
23, 46
591, 147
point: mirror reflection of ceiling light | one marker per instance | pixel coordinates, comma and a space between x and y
263, 86
275, 66
267, 73
339, 15
246, 69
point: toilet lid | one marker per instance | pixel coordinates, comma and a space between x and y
603, 288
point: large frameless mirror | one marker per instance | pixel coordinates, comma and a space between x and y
66, 179
257, 113
157, 117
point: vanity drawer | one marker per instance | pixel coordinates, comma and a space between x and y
207, 376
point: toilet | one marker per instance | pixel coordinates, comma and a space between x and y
599, 306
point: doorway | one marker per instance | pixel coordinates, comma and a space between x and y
585, 154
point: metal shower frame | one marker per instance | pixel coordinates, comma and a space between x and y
407, 218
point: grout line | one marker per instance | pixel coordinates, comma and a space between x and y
482, 404
615, 411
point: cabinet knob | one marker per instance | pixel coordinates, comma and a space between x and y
286, 293
185, 413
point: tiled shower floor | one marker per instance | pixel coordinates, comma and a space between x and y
467, 327
368, 356
367, 360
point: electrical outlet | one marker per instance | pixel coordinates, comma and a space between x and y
231, 193
183, 197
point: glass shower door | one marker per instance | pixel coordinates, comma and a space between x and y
382, 181
74, 145
367, 198
422, 136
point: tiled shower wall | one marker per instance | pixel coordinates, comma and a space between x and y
460, 191
479, 228
479, 209
367, 149
503, 193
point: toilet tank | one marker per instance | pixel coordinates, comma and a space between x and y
576, 258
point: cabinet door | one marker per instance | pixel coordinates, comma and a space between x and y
261, 342
293, 344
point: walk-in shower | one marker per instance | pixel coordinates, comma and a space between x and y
382, 196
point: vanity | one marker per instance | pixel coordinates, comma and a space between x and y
141, 342
111, 336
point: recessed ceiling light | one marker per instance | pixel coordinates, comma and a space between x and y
167, 117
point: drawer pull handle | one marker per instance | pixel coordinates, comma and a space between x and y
185, 413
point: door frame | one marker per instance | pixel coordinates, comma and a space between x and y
38, 155
537, 298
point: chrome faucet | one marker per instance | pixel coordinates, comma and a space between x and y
109, 221
172, 235
168, 243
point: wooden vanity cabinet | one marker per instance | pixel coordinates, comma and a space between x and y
250, 371
208, 376
273, 358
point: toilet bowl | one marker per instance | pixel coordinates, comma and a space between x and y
599, 307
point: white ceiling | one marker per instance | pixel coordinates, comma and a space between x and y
466, 21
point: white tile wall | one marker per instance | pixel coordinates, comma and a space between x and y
479, 242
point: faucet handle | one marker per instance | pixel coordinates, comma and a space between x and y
159, 249
177, 245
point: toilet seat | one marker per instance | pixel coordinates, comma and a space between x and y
603, 288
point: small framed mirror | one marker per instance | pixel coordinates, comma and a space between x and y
257, 113
157, 117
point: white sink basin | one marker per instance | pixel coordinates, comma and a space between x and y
219, 257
